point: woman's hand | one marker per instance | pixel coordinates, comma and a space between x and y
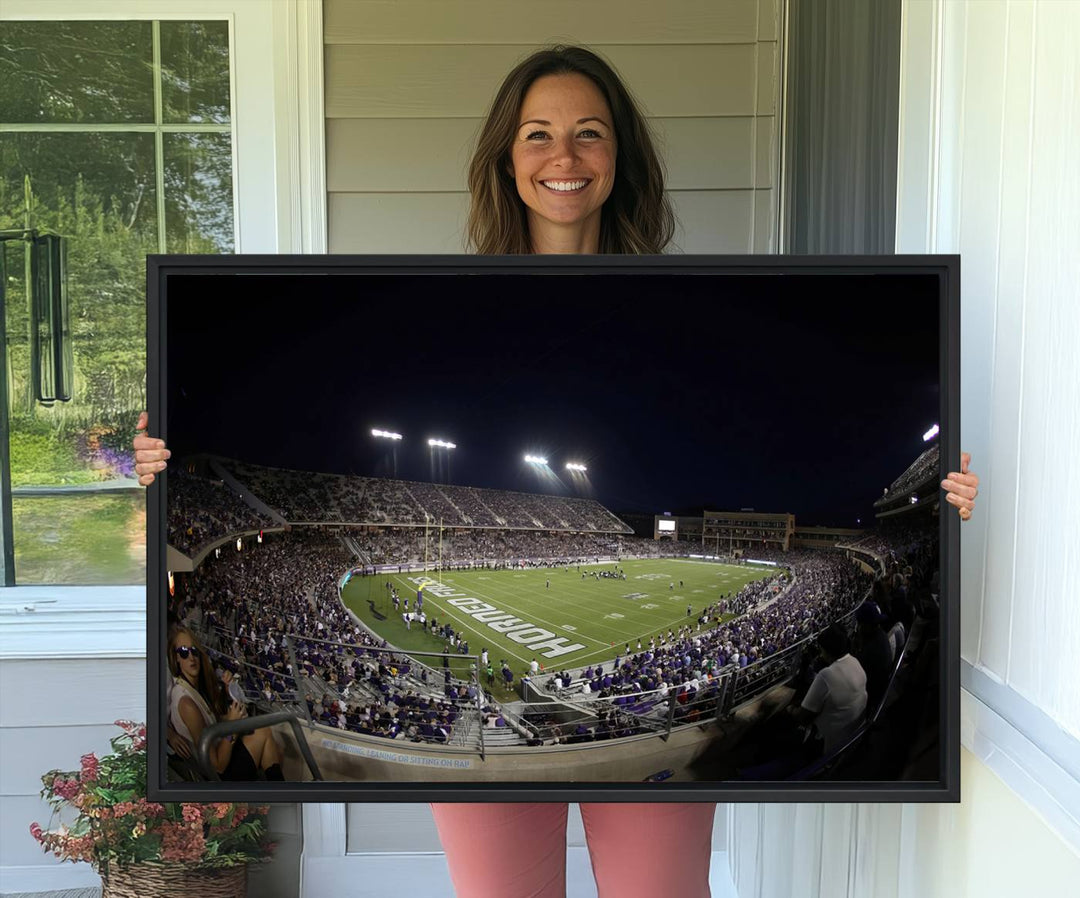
236, 711
961, 487
177, 743
150, 453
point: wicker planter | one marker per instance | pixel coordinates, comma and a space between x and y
174, 881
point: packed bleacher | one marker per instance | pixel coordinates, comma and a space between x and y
244, 603
825, 586
894, 541
305, 497
468, 548
488, 524
301, 495
202, 510
920, 474
465, 525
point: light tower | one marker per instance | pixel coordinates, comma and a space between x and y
437, 457
394, 439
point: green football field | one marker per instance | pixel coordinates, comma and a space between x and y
576, 620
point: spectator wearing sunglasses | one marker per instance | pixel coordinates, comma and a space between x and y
198, 699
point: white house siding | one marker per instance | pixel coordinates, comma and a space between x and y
55, 710
408, 83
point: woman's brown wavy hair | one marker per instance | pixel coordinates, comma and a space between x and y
210, 687
637, 216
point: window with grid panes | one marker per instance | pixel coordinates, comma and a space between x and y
118, 136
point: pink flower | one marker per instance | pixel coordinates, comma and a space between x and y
192, 813
150, 808
79, 848
65, 788
89, 768
181, 842
36, 832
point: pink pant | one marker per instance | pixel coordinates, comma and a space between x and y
519, 850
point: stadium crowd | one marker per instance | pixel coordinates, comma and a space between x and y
921, 471
466, 549
245, 601
301, 496
202, 510
825, 586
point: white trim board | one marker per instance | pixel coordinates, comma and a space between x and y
298, 32
1025, 766
65, 622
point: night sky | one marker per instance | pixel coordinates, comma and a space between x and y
798, 393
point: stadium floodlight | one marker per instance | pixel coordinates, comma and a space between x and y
442, 444
385, 434
574, 466
930, 434
536, 460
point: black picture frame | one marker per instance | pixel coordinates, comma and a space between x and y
161, 269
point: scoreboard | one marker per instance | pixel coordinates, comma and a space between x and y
665, 527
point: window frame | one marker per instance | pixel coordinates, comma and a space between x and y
276, 92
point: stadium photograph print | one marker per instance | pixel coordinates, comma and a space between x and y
436, 616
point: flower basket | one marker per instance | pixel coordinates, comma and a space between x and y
173, 881
146, 849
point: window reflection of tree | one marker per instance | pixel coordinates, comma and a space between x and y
122, 167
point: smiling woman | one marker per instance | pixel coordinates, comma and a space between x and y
565, 163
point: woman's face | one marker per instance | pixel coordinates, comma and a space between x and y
189, 666
563, 154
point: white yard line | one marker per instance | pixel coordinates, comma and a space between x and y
450, 610
572, 613
640, 618
525, 615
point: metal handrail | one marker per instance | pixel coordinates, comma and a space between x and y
408, 655
725, 682
244, 725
